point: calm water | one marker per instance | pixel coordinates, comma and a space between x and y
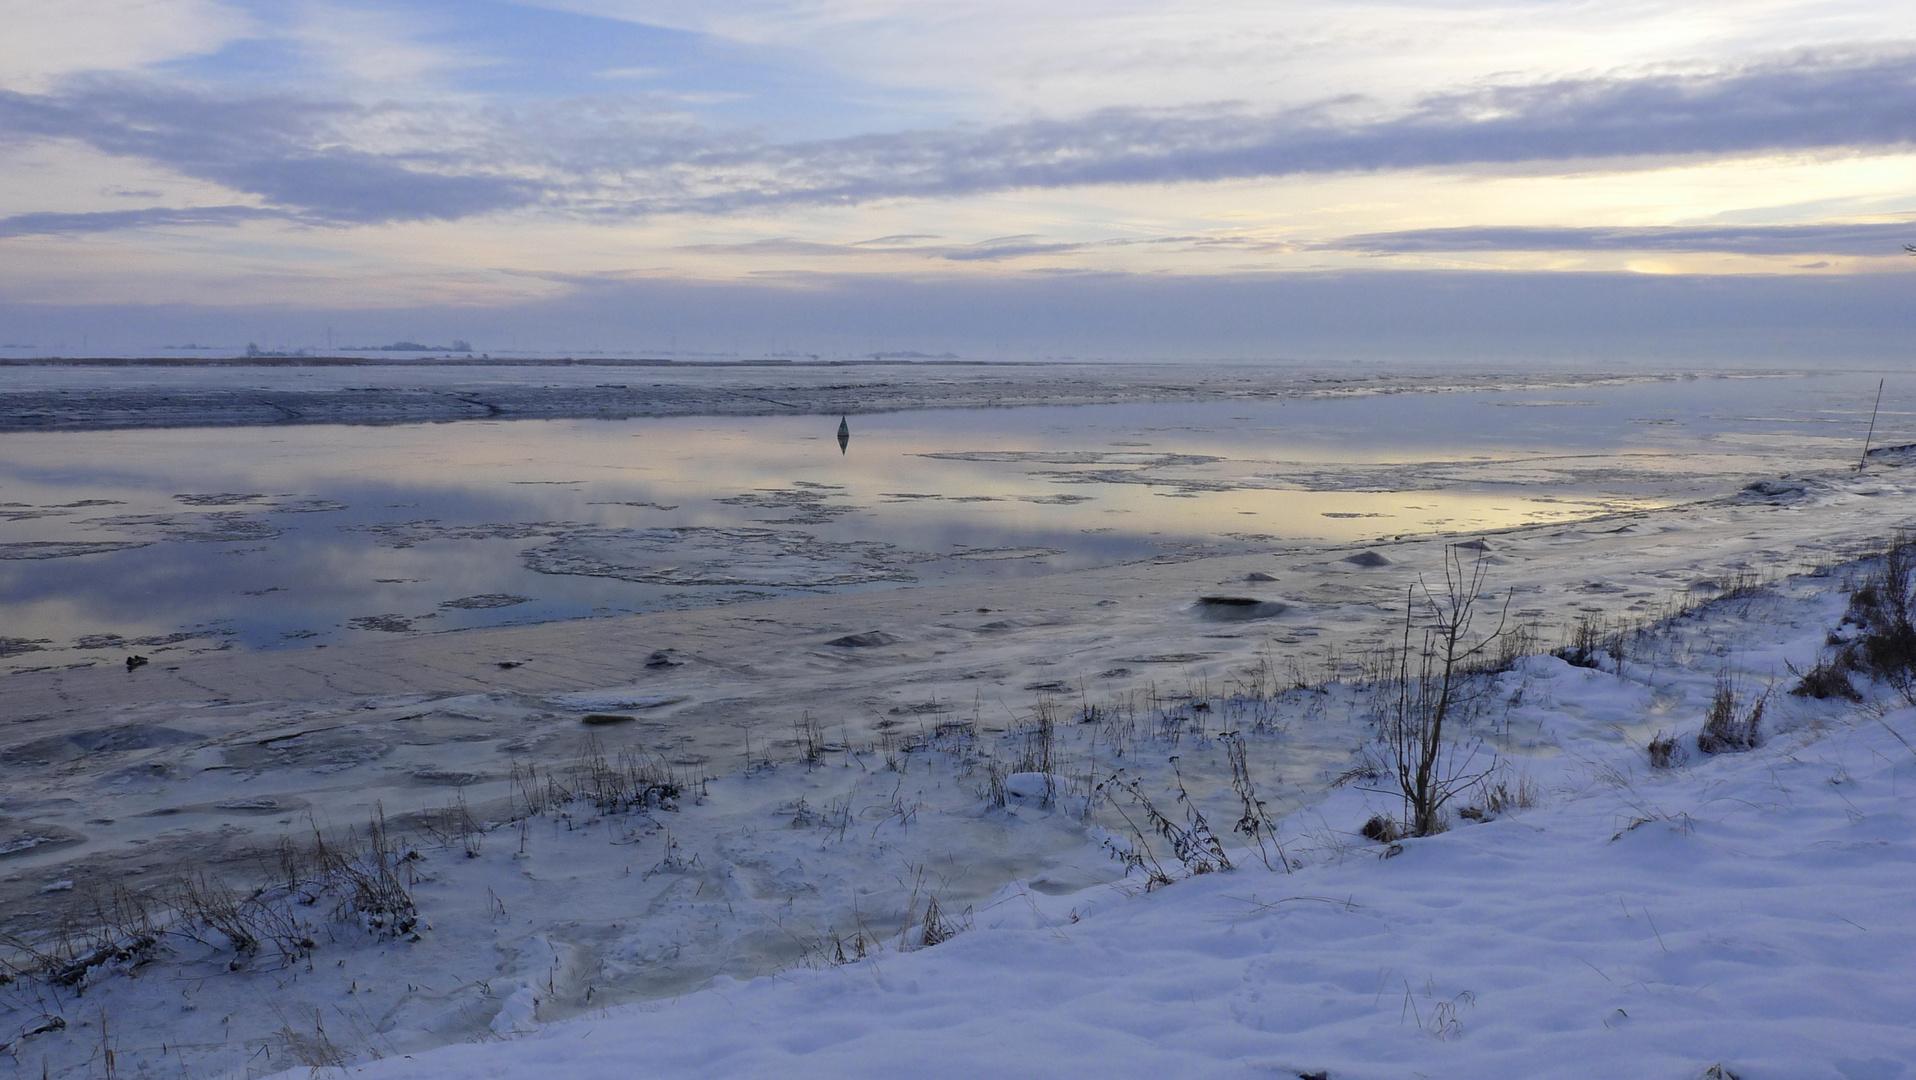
288, 537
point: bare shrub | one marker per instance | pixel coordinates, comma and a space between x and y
1137, 855
1204, 844
1427, 685
1194, 844
1255, 822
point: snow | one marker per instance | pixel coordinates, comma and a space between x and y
1752, 910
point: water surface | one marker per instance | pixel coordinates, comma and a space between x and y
286, 537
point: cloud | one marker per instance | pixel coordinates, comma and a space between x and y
1871, 239
993, 250
1804, 102
284, 149
115, 220
349, 187
1007, 247
44, 42
346, 163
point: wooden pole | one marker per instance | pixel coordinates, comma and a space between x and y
1864, 460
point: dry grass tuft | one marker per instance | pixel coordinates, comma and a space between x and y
1666, 752
1382, 828
1729, 728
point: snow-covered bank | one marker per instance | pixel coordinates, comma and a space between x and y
1750, 913
1748, 909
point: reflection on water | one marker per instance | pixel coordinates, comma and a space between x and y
283, 537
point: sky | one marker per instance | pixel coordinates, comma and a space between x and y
1399, 180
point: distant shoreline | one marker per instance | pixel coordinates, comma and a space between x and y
694, 388
376, 359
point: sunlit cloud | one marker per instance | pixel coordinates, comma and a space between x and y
1869, 239
44, 42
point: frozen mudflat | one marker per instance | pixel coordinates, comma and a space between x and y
171, 542
669, 836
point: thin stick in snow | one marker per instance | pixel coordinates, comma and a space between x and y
1594, 967
1899, 737
1654, 930
1864, 460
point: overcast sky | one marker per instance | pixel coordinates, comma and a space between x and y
1630, 180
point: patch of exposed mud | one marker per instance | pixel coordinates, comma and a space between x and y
216, 527
999, 554
65, 549
484, 601
119, 739
319, 751
806, 502
225, 498
405, 534
35, 837
309, 506
1075, 457
707, 556
389, 624
1057, 500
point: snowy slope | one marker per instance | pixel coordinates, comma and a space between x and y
1753, 911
